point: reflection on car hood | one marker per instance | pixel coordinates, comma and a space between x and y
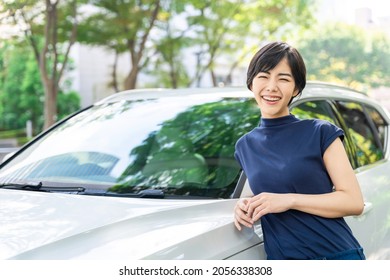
36, 225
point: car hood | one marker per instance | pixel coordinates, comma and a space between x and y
36, 225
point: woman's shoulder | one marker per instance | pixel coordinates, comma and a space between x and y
321, 126
320, 123
247, 136
315, 121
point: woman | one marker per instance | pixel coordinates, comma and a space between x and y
298, 170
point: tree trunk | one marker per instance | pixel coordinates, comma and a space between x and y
213, 78
137, 52
50, 106
114, 72
173, 73
174, 79
131, 79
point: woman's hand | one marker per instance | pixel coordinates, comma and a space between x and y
249, 210
240, 214
266, 203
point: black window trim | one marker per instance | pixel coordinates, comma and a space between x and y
373, 126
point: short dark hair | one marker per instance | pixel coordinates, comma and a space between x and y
270, 55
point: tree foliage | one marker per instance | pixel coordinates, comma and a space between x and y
226, 32
50, 29
232, 30
183, 140
122, 26
163, 38
163, 34
169, 65
347, 56
22, 93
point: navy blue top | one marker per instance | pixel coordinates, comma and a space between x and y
285, 155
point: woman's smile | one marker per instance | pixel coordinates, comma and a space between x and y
271, 99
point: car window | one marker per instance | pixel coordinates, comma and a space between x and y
314, 110
366, 140
380, 124
181, 145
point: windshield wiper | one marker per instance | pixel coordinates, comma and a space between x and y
33, 186
153, 193
38, 186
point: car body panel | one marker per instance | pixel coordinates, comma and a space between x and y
372, 228
38, 225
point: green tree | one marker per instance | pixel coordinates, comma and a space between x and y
160, 34
50, 29
124, 27
212, 22
169, 66
21, 90
347, 55
234, 29
17, 90
379, 60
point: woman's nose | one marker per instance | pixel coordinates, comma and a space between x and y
271, 85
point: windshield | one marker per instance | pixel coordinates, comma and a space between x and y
181, 145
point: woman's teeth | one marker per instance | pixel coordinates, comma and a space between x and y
271, 98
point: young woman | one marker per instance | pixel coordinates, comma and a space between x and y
298, 170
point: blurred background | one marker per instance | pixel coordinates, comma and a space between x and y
57, 56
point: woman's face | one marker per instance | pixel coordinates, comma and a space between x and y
274, 89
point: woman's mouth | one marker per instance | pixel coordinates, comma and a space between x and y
271, 99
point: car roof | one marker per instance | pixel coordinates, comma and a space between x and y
313, 90
150, 93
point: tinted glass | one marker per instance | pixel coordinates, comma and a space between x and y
368, 147
379, 124
181, 145
314, 110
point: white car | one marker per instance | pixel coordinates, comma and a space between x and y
151, 174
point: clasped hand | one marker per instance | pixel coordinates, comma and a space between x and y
249, 210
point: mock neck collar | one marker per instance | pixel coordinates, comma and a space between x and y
264, 122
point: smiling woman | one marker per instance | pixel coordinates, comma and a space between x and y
302, 208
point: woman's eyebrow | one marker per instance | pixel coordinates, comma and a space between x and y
285, 74
279, 74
